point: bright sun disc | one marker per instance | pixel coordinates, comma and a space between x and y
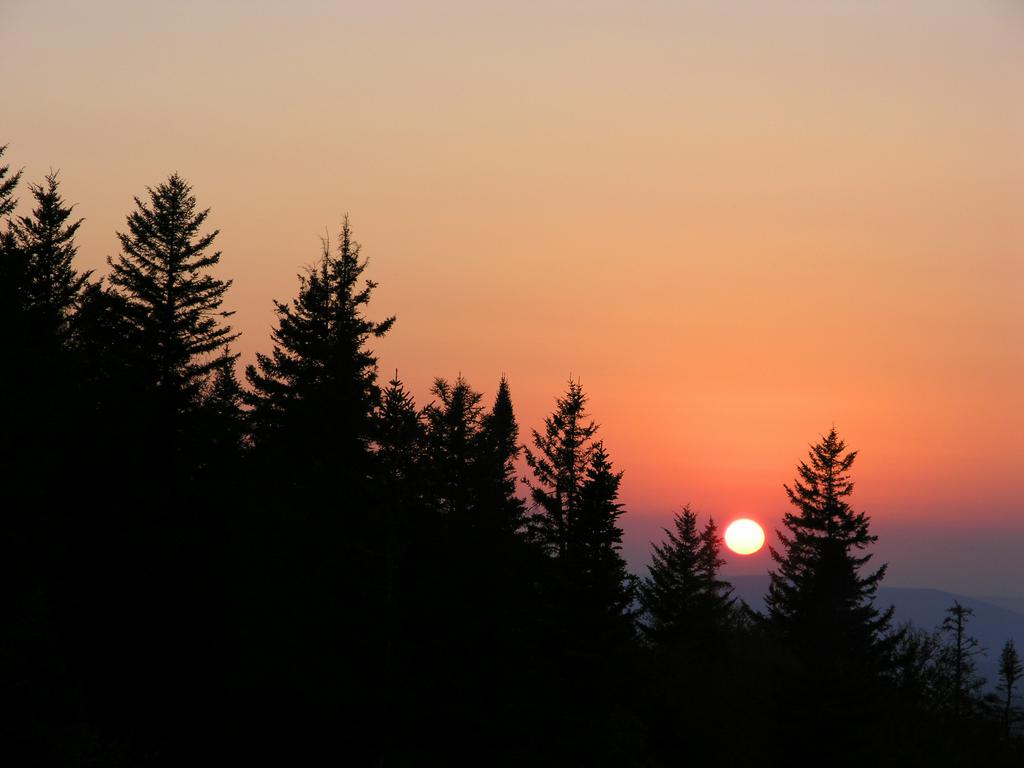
744, 536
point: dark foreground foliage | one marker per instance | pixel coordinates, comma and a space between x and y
313, 568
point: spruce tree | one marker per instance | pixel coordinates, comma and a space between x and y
818, 599
453, 435
1010, 672
12, 267
585, 614
222, 408
173, 302
596, 544
398, 435
559, 460
398, 453
316, 497
499, 451
7, 186
313, 398
960, 682
575, 492
45, 241
685, 602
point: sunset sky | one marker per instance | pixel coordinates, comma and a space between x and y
737, 226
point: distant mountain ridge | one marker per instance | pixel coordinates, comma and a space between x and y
993, 623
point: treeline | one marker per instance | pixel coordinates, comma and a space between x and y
299, 564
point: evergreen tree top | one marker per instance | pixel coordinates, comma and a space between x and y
817, 594
7, 186
682, 595
45, 240
321, 375
561, 454
173, 301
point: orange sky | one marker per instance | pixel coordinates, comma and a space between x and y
737, 222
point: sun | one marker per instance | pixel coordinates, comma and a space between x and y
744, 536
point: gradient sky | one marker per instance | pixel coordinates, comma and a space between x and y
737, 222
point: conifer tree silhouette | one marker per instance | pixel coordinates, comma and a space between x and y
575, 521
1010, 672
43, 482
399, 438
596, 543
45, 241
316, 492
398, 434
12, 267
960, 683
499, 436
172, 300
586, 592
7, 186
453, 435
685, 601
222, 401
818, 598
314, 396
559, 459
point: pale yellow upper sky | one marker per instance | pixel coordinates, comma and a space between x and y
737, 222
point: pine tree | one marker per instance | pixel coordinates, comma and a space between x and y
584, 615
596, 543
960, 682
7, 186
317, 495
222, 406
45, 241
399, 444
684, 600
313, 398
173, 302
575, 521
12, 266
398, 434
399, 439
559, 460
1010, 672
818, 600
499, 450
453, 434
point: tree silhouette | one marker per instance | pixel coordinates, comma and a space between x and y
453, 434
9, 269
45, 242
222, 402
499, 436
559, 460
960, 683
12, 266
316, 504
171, 299
595, 542
818, 598
587, 593
685, 602
1010, 672
314, 396
7, 186
42, 442
575, 491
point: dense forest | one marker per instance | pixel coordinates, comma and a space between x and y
296, 563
